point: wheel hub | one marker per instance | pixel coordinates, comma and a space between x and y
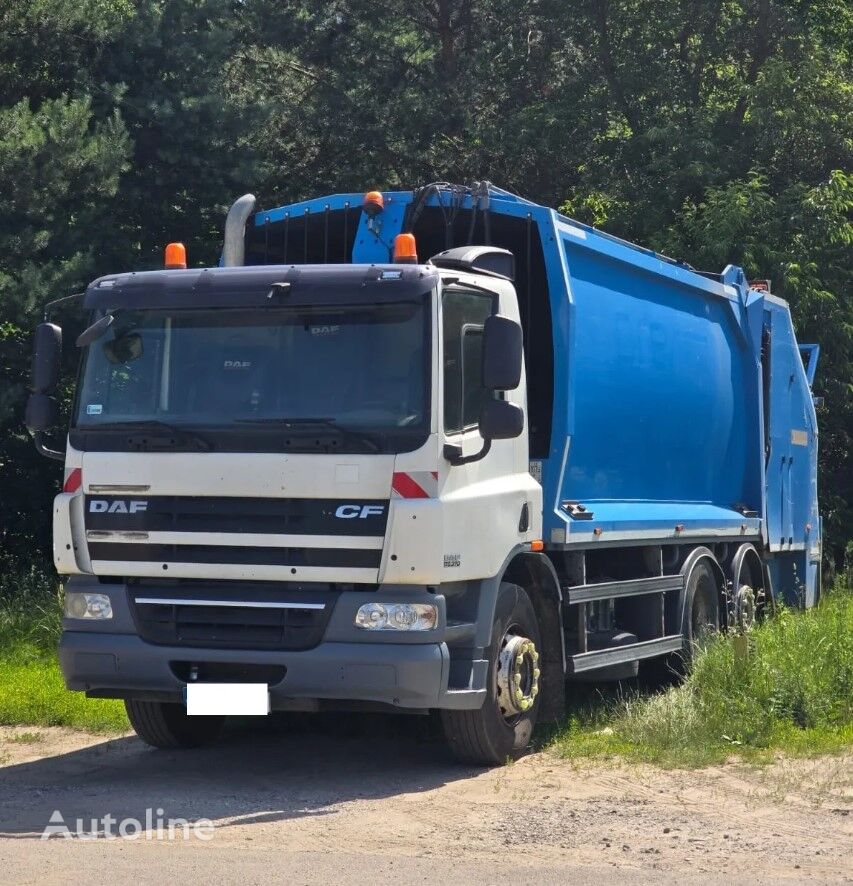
518, 675
745, 607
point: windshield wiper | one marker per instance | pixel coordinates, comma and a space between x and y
150, 424
319, 422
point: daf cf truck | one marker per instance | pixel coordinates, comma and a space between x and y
431, 450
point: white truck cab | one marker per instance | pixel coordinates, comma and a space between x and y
309, 477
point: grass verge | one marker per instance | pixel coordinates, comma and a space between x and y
788, 688
32, 691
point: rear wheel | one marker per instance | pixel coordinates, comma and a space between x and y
702, 613
748, 596
167, 725
503, 727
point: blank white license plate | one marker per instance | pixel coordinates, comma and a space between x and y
231, 699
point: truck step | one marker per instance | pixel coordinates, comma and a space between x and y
631, 588
459, 632
603, 658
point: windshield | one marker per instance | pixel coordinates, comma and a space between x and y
353, 367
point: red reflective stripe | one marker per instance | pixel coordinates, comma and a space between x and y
406, 486
74, 481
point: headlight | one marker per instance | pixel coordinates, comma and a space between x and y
397, 616
81, 605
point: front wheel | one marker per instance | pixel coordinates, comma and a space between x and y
165, 725
503, 727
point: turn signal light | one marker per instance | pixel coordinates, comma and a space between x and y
374, 203
405, 249
176, 257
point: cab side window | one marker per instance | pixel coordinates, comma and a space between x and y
463, 316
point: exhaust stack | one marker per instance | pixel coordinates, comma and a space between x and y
234, 248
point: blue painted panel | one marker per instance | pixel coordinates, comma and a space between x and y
793, 521
374, 240
659, 388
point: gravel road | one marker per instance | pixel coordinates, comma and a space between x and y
374, 800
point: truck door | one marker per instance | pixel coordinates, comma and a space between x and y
492, 504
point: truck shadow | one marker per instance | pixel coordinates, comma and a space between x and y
291, 767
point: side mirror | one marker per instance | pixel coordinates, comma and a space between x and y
42, 412
503, 350
47, 353
501, 420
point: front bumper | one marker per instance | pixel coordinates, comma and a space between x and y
406, 676
406, 671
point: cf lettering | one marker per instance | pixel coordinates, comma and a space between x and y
348, 512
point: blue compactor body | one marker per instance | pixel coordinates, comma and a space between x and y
666, 405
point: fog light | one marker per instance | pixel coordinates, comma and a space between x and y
81, 605
397, 617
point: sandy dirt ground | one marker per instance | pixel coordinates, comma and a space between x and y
374, 802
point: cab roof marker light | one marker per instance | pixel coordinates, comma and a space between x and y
405, 250
374, 203
175, 257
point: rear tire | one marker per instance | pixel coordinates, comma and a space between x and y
503, 727
702, 612
700, 622
167, 725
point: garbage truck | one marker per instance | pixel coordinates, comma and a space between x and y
440, 450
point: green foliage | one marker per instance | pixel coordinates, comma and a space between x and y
792, 690
32, 691
716, 132
30, 610
59, 170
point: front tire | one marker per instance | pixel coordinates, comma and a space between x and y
503, 727
167, 725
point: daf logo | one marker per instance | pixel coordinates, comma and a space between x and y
237, 364
100, 506
348, 512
